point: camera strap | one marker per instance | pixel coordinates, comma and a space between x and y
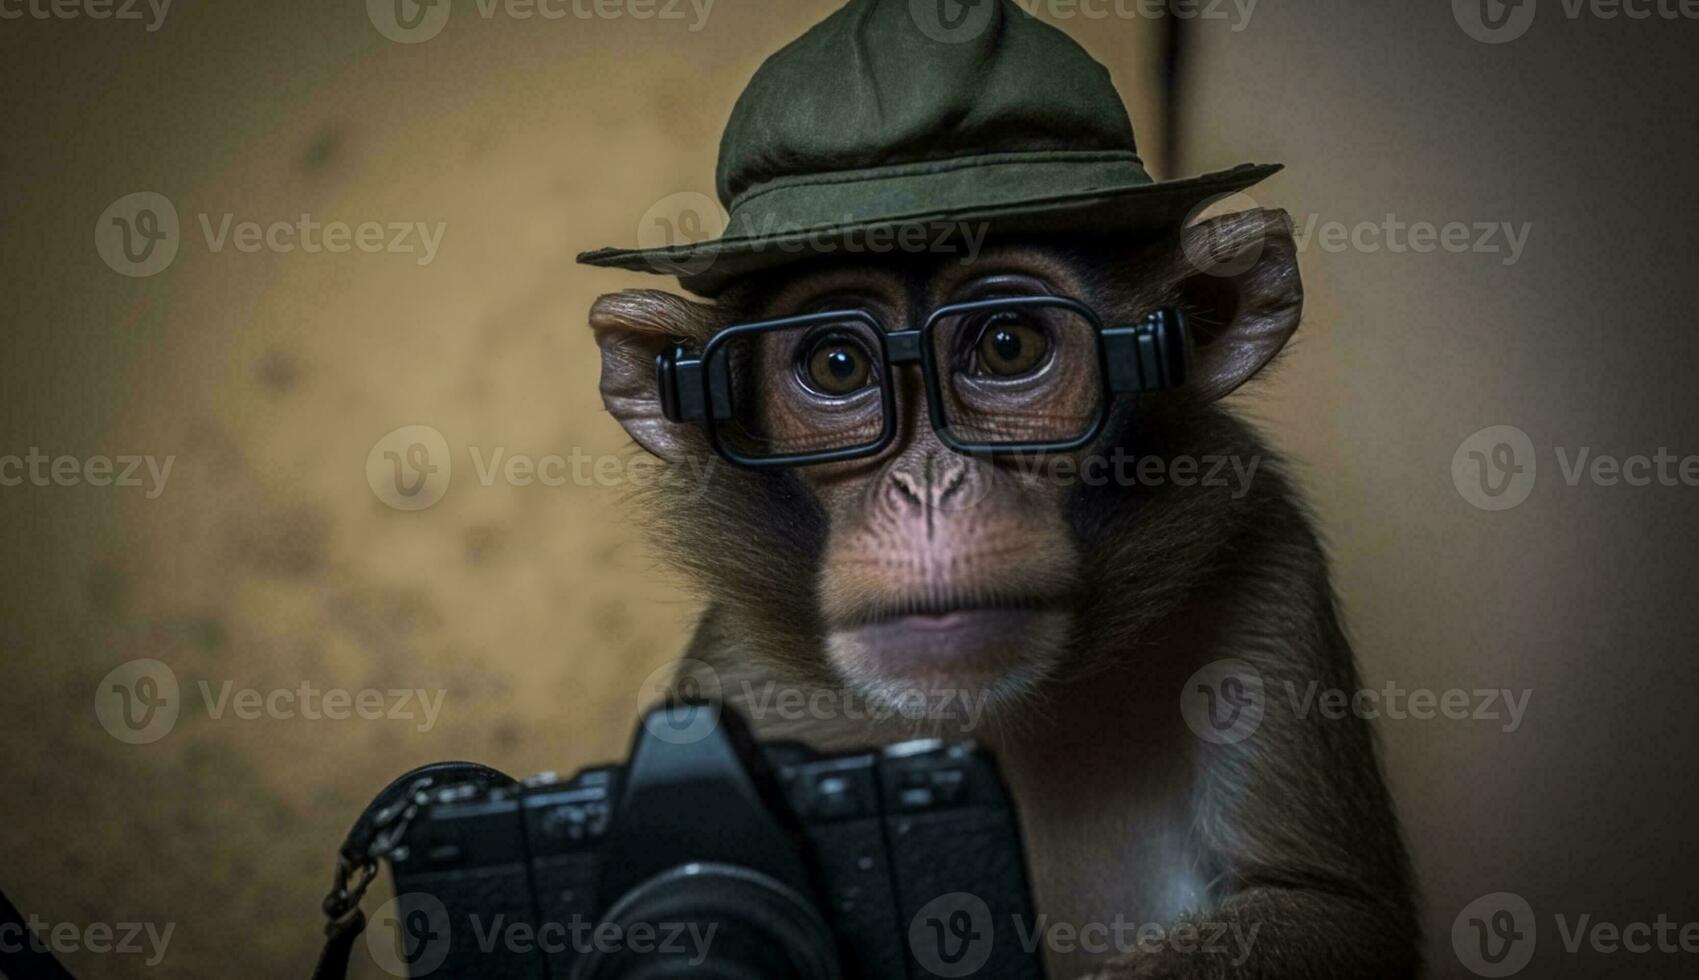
380, 826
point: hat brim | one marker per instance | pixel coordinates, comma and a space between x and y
706, 268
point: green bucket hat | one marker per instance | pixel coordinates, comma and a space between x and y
890, 115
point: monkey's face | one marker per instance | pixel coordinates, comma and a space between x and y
921, 569
941, 572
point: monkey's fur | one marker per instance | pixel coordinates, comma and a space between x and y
1282, 846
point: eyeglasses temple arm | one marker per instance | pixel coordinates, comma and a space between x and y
684, 397
1152, 355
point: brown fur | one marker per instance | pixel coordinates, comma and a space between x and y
1125, 812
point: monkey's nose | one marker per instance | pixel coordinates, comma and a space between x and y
935, 483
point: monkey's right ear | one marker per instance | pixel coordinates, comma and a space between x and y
1242, 293
632, 328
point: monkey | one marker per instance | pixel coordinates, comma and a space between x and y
1078, 612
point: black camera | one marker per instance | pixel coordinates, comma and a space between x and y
711, 855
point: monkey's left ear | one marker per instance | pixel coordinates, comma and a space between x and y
1242, 294
631, 328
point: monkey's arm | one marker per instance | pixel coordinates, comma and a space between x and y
1295, 824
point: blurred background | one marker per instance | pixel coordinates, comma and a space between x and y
489, 147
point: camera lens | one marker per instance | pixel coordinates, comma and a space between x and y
714, 921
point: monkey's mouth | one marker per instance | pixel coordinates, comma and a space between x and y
943, 611
969, 639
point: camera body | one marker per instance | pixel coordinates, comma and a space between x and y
712, 855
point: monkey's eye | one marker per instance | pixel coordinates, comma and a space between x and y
837, 365
1009, 345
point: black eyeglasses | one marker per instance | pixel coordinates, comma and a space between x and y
1013, 375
